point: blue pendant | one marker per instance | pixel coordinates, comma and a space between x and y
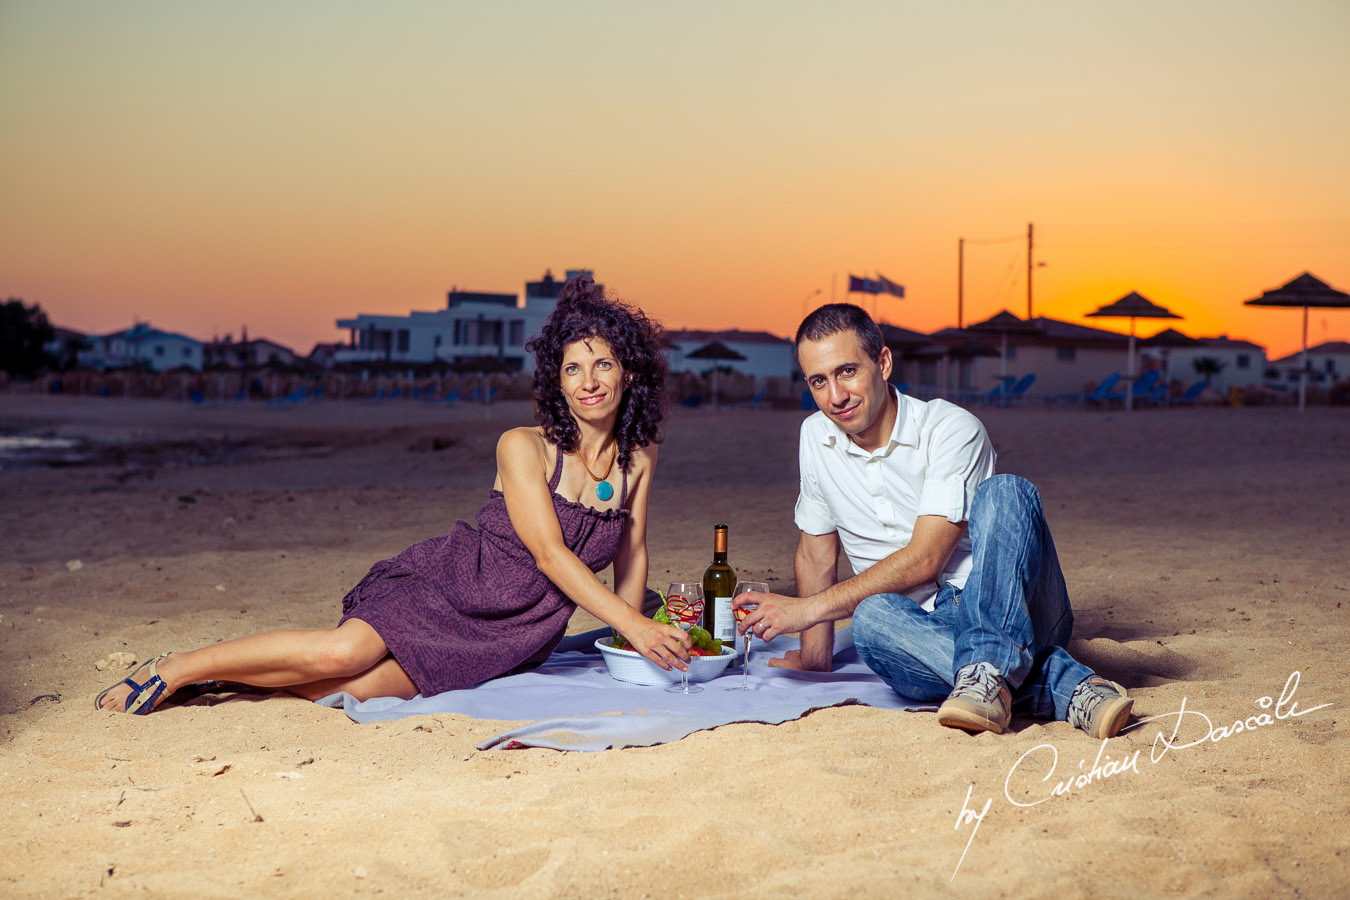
604, 490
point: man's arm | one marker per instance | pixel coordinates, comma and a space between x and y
816, 569
918, 563
914, 565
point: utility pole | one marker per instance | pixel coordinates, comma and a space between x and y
1030, 234
960, 281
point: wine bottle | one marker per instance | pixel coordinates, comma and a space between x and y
719, 581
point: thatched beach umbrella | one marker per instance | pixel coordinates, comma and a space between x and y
1164, 341
716, 351
1305, 291
1132, 306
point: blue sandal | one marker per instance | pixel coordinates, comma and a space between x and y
144, 695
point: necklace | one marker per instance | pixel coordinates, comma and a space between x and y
603, 489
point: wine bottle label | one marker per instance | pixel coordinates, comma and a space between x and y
723, 621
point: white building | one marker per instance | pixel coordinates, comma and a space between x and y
766, 355
247, 353
161, 350
473, 326
1241, 363
1328, 363
1064, 357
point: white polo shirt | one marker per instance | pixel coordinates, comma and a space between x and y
936, 456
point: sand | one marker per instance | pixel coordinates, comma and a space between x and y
1205, 552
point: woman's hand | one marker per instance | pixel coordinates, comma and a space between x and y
665, 645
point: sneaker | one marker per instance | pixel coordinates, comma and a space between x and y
1099, 707
980, 701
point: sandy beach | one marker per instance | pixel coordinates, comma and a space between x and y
1205, 551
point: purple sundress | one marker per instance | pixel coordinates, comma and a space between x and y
467, 606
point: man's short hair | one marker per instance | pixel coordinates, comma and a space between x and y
832, 318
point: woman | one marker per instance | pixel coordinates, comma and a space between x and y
570, 499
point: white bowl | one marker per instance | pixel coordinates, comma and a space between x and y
629, 665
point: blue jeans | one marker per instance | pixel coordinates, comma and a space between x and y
1013, 612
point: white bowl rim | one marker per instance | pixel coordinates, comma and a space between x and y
604, 646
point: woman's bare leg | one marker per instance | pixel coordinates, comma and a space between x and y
384, 679
273, 659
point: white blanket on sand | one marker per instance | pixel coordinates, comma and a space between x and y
572, 703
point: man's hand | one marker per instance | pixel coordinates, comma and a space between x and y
776, 615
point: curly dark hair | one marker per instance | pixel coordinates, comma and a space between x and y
583, 311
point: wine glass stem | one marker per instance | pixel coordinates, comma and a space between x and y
745, 679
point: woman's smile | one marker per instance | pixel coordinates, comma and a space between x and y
592, 377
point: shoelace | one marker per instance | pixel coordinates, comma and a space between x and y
1085, 700
979, 681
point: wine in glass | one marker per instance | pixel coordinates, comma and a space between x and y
743, 587
684, 605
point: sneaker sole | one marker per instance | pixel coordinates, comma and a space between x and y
968, 718
1112, 717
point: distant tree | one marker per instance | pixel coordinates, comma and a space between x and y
1207, 367
24, 335
68, 355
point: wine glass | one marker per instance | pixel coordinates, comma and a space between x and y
684, 605
744, 587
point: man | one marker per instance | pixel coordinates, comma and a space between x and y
958, 595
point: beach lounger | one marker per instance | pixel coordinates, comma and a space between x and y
755, 402
1106, 390
1020, 387
1192, 394
1145, 384
1102, 393
292, 398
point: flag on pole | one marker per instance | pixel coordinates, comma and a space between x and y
858, 285
890, 287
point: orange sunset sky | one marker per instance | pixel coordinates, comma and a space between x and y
282, 164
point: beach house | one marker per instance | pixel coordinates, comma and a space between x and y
142, 344
765, 355
1328, 363
1063, 356
246, 353
1239, 363
474, 327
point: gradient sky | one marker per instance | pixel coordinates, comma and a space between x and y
283, 164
